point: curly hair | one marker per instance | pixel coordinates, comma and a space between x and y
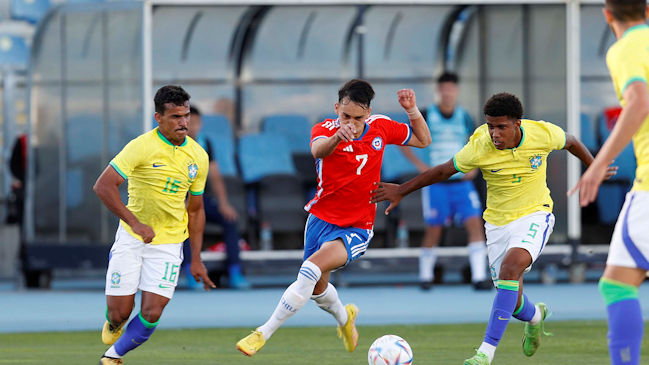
504, 104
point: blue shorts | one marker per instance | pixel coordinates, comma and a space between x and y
444, 202
318, 232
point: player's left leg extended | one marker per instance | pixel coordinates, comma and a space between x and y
141, 327
514, 263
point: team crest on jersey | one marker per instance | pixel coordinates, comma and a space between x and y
377, 143
193, 171
536, 162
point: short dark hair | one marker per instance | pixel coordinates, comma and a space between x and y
358, 91
504, 104
173, 94
448, 77
194, 110
627, 10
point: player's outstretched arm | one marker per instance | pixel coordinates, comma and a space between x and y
196, 226
634, 113
420, 132
107, 190
394, 192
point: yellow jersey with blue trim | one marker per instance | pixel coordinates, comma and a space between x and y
516, 177
628, 62
159, 175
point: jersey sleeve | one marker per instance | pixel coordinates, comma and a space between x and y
395, 132
556, 136
128, 158
626, 67
325, 129
467, 158
198, 186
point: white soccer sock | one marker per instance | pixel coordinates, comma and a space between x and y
489, 350
293, 299
478, 261
427, 258
536, 318
329, 302
112, 353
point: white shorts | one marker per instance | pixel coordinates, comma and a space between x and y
630, 242
133, 264
530, 232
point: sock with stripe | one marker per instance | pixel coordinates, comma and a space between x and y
501, 312
625, 323
293, 299
329, 302
527, 311
137, 332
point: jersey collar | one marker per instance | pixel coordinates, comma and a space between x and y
634, 28
165, 140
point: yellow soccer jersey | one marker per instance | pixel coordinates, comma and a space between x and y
628, 61
159, 176
516, 177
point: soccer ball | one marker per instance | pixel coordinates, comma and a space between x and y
389, 350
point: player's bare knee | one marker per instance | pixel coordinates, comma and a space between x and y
510, 271
118, 315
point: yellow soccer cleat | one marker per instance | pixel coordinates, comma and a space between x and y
109, 337
252, 343
348, 332
105, 360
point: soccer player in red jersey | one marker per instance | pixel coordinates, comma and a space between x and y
348, 152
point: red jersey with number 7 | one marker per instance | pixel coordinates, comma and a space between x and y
346, 176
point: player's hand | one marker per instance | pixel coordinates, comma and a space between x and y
611, 171
407, 98
346, 132
143, 231
199, 272
589, 183
386, 191
228, 212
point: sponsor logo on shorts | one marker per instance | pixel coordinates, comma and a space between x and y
163, 286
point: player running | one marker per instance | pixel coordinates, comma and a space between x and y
512, 154
627, 265
348, 153
161, 166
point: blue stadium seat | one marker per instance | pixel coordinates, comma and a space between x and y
13, 51
612, 192
224, 151
217, 125
296, 129
29, 10
262, 155
588, 136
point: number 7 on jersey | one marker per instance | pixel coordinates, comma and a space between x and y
363, 159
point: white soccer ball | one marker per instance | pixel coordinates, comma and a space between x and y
389, 350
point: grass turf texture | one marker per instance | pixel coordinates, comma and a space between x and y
581, 342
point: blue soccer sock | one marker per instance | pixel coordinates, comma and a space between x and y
502, 310
525, 312
625, 323
137, 332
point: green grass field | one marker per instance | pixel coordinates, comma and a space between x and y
573, 343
